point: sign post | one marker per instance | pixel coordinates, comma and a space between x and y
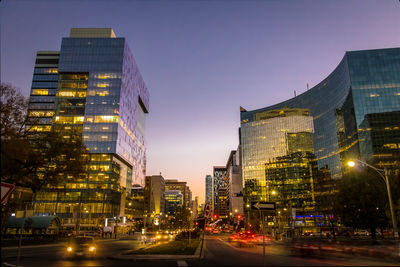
262, 206
207, 211
6, 190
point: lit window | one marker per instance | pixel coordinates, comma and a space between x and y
104, 136
66, 93
103, 93
51, 71
40, 91
102, 85
105, 118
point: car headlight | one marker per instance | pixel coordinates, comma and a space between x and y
69, 249
92, 248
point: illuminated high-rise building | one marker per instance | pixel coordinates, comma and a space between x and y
221, 189
209, 189
351, 114
92, 87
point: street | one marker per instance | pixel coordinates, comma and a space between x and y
218, 252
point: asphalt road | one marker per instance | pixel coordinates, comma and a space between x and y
54, 255
218, 252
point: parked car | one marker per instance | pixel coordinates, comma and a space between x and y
92, 233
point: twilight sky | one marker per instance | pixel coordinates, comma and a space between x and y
202, 60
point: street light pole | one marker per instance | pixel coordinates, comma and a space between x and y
386, 180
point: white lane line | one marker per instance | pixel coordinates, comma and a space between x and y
11, 265
182, 263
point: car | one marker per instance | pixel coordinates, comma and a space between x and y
83, 246
361, 233
92, 233
248, 239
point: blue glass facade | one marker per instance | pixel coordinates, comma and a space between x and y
354, 113
370, 82
95, 89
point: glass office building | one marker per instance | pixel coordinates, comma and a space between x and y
220, 187
92, 87
364, 86
173, 201
209, 189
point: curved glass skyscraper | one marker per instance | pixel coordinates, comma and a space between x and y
350, 114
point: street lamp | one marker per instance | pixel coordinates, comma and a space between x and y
248, 214
386, 180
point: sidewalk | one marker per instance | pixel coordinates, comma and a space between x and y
381, 251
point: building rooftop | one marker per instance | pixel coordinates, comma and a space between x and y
92, 33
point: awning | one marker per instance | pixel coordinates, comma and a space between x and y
35, 222
14, 222
44, 222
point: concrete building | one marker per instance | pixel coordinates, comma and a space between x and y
154, 195
234, 173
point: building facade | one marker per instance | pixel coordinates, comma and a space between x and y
234, 173
92, 87
221, 191
339, 112
174, 184
154, 197
173, 201
209, 189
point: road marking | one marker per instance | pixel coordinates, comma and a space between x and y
12, 265
182, 263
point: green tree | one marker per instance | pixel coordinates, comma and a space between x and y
31, 159
362, 201
182, 217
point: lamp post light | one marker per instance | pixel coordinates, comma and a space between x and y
248, 215
386, 180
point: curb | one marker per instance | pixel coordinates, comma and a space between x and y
35, 246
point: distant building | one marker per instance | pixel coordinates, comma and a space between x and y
154, 194
234, 173
135, 203
174, 184
221, 191
173, 201
188, 196
209, 189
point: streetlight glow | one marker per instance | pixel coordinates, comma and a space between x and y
351, 163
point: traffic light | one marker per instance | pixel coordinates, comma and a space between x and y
215, 216
239, 217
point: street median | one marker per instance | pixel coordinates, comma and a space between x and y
173, 250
